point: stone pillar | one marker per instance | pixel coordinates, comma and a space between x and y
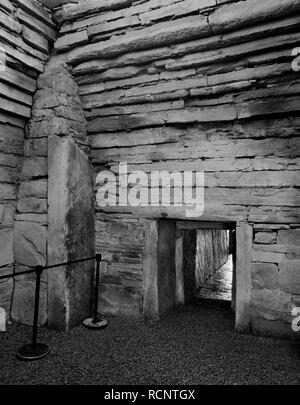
189, 264
70, 233
159, 268
166, 265
71, 210
55, 212
150, 271
179, 248
244, 241
232, 250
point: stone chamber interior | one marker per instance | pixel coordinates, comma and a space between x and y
174, 85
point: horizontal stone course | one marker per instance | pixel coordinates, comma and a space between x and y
171, 85
32, 205
30, 243
265, 275
265, 237
271, 304
22, 309
6, 240
289, 276
26, 30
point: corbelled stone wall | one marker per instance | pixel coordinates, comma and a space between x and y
202, 85
195, 85
26, 34
47, 208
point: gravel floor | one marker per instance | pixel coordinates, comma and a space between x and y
193, 345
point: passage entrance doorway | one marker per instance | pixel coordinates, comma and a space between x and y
169, 263
205, 261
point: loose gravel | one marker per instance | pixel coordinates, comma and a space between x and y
195, 344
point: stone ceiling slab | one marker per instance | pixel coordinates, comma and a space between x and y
55, 3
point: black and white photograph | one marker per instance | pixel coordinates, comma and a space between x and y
149, 195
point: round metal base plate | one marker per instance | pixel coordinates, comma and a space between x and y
90, 324
30, 353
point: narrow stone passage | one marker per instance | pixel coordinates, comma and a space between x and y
219, 284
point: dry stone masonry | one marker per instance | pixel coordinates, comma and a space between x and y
27, 32
58, 125
212, 253
202, 85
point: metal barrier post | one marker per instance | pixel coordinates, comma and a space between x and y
95, 322
34, 350
96, 292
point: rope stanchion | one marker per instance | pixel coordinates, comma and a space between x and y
95, 322
34, 350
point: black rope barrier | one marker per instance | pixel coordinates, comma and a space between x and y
52, 266
34, 350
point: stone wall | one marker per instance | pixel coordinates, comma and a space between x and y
45, 175
202, 85
120, 239
26, 34
212, 252
275, 277
195, 85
